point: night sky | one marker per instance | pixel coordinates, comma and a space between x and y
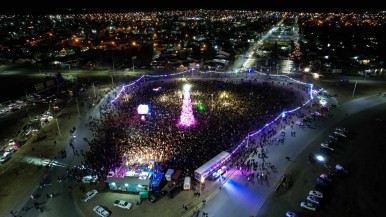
74, 6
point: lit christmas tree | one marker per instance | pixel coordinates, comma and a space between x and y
187, 118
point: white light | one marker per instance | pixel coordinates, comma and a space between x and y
306, 69
186, 87
315, 75
143, 109
320, 158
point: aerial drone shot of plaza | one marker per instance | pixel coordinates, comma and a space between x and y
214, 109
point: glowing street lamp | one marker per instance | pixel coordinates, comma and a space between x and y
201, 182
320, 158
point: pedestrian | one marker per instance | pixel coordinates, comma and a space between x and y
186, 208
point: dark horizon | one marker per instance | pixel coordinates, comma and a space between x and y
72, 6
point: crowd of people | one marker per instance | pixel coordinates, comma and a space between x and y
225, 112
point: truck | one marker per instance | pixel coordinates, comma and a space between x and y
168, 175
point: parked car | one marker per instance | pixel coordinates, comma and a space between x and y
339, 133
308, 205
11, 142
341, 129
89, 179
6, 155
326, 146
340, 169
157, 195
290, 214
176, 189
122, 204
320, 182
326, 178
313, 199
316, 193
89, 195
99, 210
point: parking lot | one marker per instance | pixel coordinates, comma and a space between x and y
350, 194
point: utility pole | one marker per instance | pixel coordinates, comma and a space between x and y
132, 60
77, 105
353, 92
57, 124
26, 95
93, 86
26, 98
112, 80
248, 140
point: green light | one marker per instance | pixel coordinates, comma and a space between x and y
200, 107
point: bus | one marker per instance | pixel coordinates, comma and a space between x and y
211, 166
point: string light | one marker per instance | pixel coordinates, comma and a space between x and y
124, 87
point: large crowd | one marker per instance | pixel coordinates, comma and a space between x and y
225, 113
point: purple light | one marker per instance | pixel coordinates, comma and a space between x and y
124, 86
187, 118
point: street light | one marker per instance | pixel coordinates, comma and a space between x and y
201, 182
57, 124
132, 59
320, 158
212, 100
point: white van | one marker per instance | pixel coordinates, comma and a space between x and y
169, 174
187, 183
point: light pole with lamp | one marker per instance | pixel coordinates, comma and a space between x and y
212, 100
57, 124
353, 92
322, 159
132, 60
202, 181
